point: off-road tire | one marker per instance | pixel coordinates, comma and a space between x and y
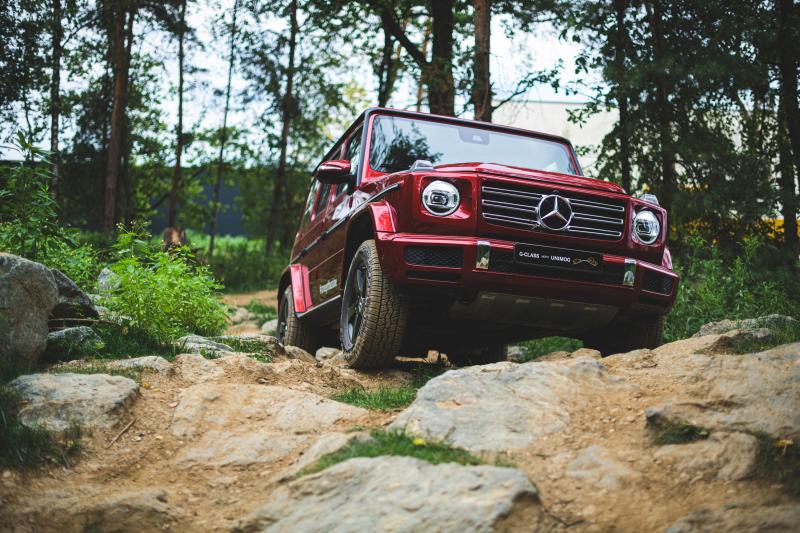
621, 337
479, 356
296, 332
384, 313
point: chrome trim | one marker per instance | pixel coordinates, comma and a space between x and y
483, 255
629, 277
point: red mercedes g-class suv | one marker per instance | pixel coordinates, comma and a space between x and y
428, 232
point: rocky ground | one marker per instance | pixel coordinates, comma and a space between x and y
216, 444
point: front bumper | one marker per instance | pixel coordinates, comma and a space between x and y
481, 264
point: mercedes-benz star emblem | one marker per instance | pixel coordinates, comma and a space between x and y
555, 212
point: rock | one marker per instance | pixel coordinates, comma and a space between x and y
402, 494
747, 393
770, 322
72, 301
94, 510
725, 456
596, 466
201, 345
471, 407
55, 401
248, 424
293, 352
240, 314
516, 354
742, 519
28, 293
324, 445
147, 362
270, 327
108, 281
327, 352
73, 342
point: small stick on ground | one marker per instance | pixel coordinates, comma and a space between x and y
121, 433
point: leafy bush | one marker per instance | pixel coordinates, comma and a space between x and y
163, 294
240, 263
713, 288
29, 225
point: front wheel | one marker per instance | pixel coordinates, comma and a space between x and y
292, 331
373, 316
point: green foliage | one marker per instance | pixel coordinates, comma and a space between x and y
240, 263
29, 225
713, 288
395, 443
23, 446
163, 294
678, 433
122, 342
382, 399
254, 347
263, 313
539, 347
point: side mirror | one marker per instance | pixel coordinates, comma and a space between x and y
334, 172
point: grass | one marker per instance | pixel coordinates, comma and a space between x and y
122, 343
263, 313
778, 460
24, 447
678, 433
539, 347
382, 399
395, 443
254, 347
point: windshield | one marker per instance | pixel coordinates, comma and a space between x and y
397, 142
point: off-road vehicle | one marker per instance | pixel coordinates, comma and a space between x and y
428, 232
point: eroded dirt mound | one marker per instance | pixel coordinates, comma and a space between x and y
215, 444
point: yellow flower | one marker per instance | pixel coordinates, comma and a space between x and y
783, 443
419, 441
145, 385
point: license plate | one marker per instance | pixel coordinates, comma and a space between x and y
531, 254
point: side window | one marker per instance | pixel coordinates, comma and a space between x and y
352, 153
310, 200
322, 198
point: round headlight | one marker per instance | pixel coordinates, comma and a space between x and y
646, 226
440, 198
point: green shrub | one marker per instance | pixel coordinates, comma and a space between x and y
163, 294
715, 288
539, 347
240, 263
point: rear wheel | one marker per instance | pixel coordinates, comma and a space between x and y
373, 316
479, 356
291, 330
621, 337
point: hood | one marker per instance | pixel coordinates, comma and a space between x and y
535, 175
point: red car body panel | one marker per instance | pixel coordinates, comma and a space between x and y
389, 205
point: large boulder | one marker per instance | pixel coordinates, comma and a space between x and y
770, 322
56, 401
233, 424
402, 494
73, 342
28, 293
72, 301
739, 518
503, 406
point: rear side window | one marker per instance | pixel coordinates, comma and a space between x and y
352, 153
322, 198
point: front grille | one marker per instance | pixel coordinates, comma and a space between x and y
657, 282
516, 206
441, 256
503, 261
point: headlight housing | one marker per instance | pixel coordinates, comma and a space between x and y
440, 198
646, 226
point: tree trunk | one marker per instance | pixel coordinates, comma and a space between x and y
426, 40
664, 112
126, 202
439, 73
789, 204
788, 73
481, 84
212, 224
117, 117
287, 113
55, 97
622, 96
384, 71
176, 173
